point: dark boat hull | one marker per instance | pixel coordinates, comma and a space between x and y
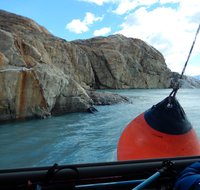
109, 175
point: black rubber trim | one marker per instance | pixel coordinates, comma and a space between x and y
168, 117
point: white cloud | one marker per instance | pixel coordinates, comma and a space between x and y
125, 6
78, 26
169, 1
90, 18
168, 25
169, 30
98, 2
193, 70
102, 31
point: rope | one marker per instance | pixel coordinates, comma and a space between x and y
177, 84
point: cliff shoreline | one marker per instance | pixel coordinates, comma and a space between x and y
42, 75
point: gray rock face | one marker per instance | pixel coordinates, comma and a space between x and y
41, 74
120, 62
106, 98
190, 82
186, 81
31, 82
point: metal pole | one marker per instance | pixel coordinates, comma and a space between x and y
147, 181
166, 166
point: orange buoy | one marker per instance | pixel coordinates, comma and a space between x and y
161, 132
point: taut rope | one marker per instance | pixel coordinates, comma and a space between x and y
177, 84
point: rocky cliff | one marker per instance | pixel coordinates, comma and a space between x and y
120, 62
41, 74
186, 81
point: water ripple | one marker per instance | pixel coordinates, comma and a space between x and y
83, 137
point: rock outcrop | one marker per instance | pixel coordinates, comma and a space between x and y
120, 62
35, 78
41, 74
106, 98
185, 82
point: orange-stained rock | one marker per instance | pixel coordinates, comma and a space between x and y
41, 74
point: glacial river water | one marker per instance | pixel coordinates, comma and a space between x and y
83, 137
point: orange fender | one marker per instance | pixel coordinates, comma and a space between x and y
140, 141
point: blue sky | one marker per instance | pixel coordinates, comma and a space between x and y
167, 25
